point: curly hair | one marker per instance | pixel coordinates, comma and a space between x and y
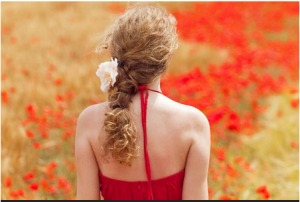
143, 38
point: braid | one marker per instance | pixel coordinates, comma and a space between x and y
118, 124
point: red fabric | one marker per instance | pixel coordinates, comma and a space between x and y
168, 188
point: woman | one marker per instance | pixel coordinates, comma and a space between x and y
141, 144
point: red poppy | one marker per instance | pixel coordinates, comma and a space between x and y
116, 7
31, 110
70, 94
4, 97
59, 98
221, 154
264, 192
295, 103
36, 145
3, 77
13, 40
25, 72
29, 134
5, 30
72, 167
294, 91
28, 176
14, 194
62, 182
238, 159
266, 195
17, 193
52, 189
58, 81
261, 189
34, 186
51, 167
44, 183
231, 171
294, 144
20, 192
225, 198
8, 182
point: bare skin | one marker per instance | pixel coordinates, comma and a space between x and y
178, 139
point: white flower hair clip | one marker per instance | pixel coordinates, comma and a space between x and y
107, 73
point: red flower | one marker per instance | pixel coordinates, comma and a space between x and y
233, 116
116, 7
72, 167
293, 91
58, 81
70, 94
62, 105
51, 167
5, 30
13, 39
29, 134
217, 115
25, 72
295, 103
233, 127
221, 154
266, 195
8, 182
20, 192
34, 186
238, 159
28, 176
44, 184
247, 167
4, 97
264, 192
52, 189
31, 110
51, 67
62, 182
3, 77
294, 144
59, 98
261, 189
225, 198
231, 171
14, 194
17, 193
36, 145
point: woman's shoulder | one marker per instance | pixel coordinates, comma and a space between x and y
188, 117
192, 114
91, 116
93, 110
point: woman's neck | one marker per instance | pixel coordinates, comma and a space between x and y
155, 85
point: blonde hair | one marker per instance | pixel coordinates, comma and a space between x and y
143, 38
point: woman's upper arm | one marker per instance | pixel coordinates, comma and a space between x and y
88, 185
195, 185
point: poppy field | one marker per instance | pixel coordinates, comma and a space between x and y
237, 62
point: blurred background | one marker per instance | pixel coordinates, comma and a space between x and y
237, 62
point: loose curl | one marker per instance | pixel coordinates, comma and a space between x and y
143, 38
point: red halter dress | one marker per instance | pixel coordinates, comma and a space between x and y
167, 188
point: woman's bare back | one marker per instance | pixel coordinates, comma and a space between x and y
178, 139
168, 127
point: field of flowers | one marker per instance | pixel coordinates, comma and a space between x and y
236, 62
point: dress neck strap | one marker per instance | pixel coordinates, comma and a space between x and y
144, 115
